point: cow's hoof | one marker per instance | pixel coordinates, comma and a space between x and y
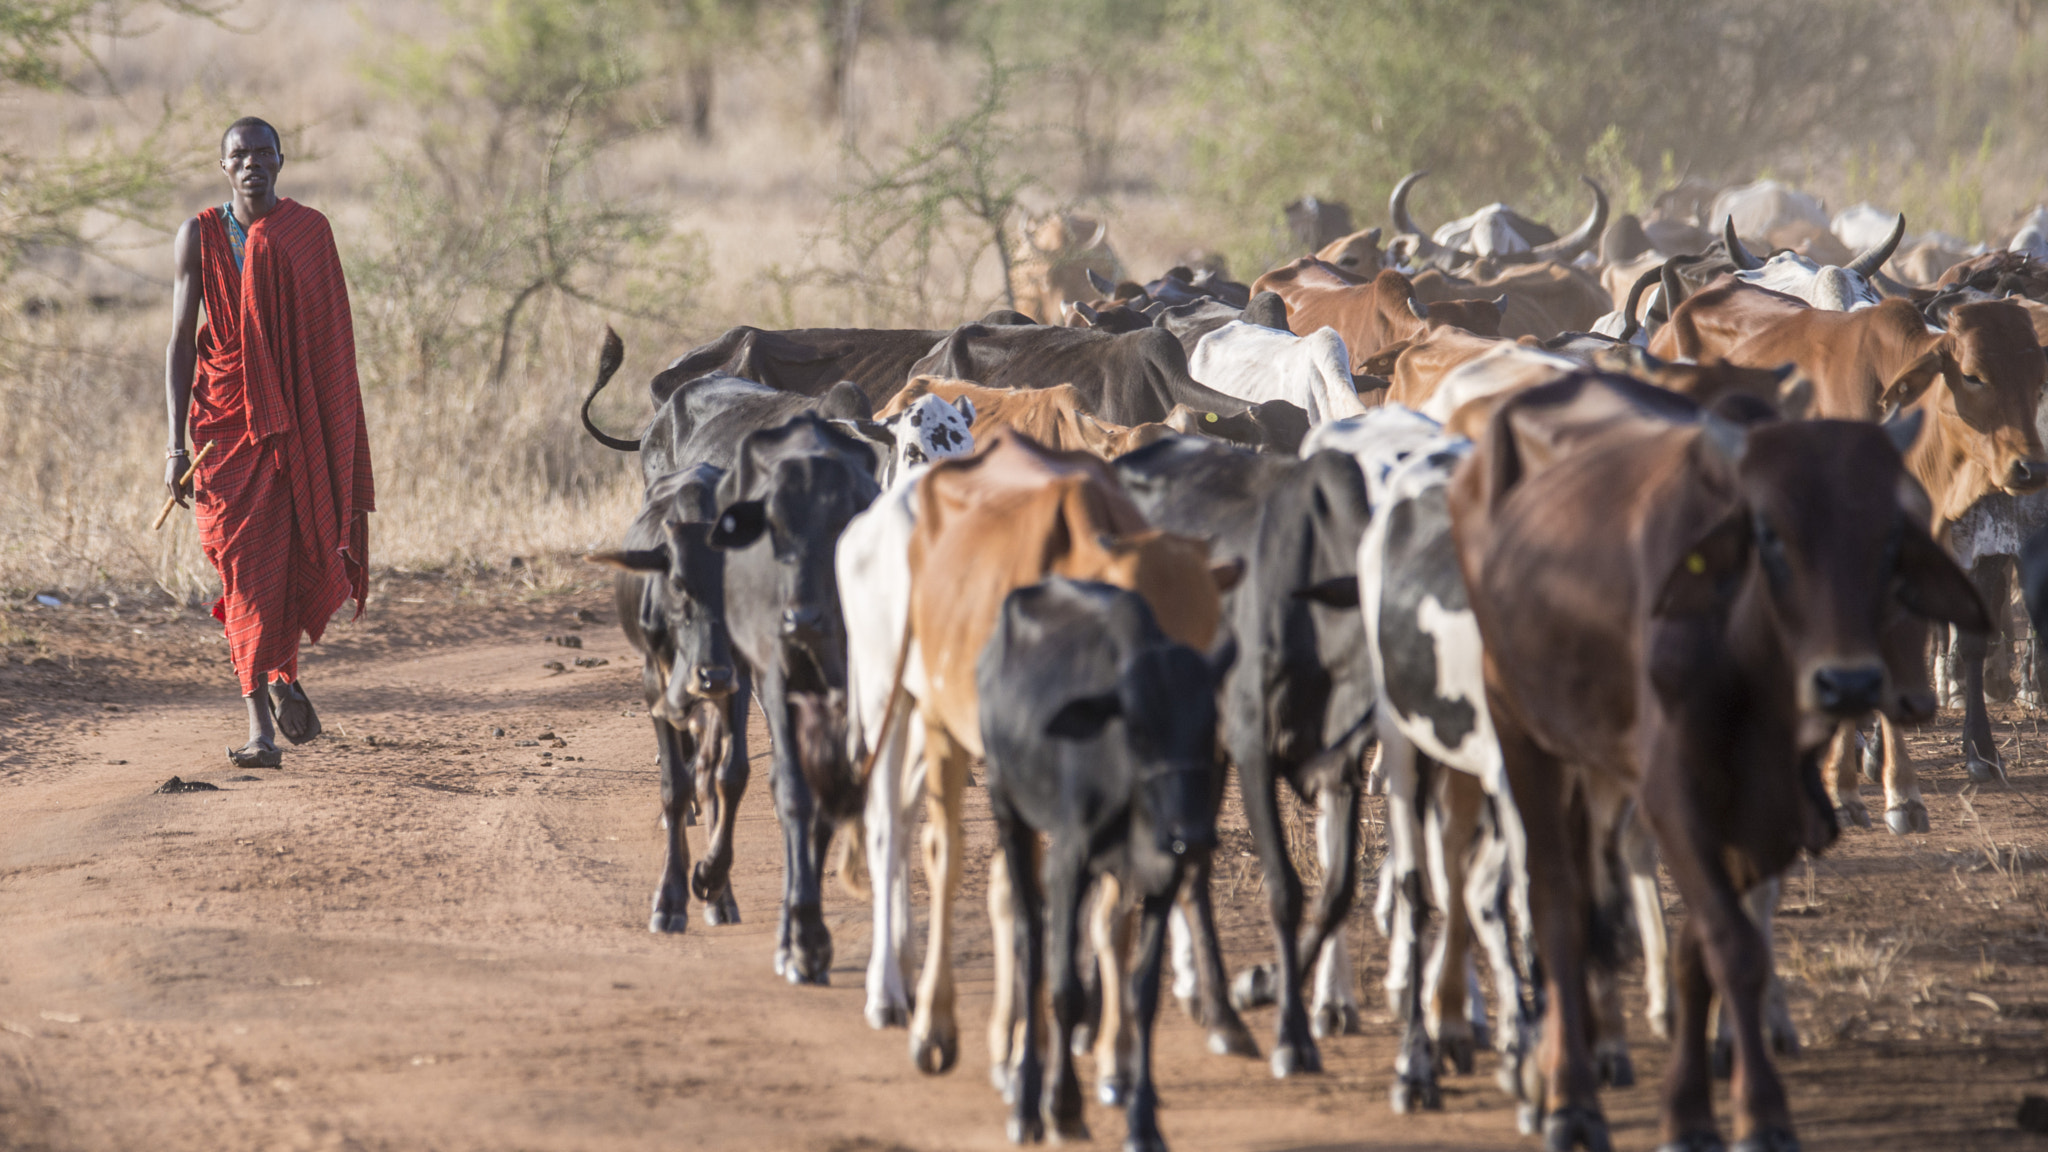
1983, 771
1152, 1142
1576, 1126
676, 922
881, 1016
1455, 1051
1232, 1038
815, 973
1907, 818
936, 1054
1335, 1019
706, 887
1721, 1058
1415, 1096
1615, 1069
720, 912
1027, 1130
1114, 1092
1853, 812
1253, 988
1290, 1059
1071, 1131
1784, 1037
1768, 1140
1528, 1118
1708, 1141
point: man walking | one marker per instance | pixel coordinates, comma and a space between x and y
269, 379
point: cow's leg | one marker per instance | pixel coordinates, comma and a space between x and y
1980, 748
1904, 811
1639, 860
1141, 1116
1228, 1035
1003, 1040
1066, 881
1294, 1048
1334, 1011
1452, 834
724, 735
1568, 1110
803, 950
1405, 777
934, 1036
1948, 670
1761, 905
1109, 928
1688, 1120
1838, 776
888, 817
1028, 964
672, 898
1486, 909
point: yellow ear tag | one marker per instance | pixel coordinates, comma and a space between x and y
1695, 563
1209, 416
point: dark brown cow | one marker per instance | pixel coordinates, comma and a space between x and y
807, 361
1688, 609
1542, 300
1372, 314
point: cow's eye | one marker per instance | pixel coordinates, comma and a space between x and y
1972, 381
916, 419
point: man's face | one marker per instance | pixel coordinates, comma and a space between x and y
251, 159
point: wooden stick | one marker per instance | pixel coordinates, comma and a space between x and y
171, 502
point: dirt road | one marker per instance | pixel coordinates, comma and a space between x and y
423, 935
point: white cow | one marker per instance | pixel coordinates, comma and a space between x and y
2032, 238
927, 430
1255, 363
1776, 213
1838, 289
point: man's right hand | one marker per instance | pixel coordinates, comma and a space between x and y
180, 489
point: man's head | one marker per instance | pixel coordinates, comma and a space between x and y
251, 154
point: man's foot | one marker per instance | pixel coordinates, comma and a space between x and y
295, 716
256, 754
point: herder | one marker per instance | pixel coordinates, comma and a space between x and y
269, 378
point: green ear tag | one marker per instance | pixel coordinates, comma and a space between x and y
1209, 416
1695, 563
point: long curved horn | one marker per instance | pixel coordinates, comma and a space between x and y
1101, 230
1566, 249
1631, 325
1397, 204
1026, 231
1873, 258
1418, 308
1736, 252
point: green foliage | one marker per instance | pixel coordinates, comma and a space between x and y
499, 217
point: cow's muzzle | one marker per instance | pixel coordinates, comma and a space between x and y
2026, 475
711, 681
806, 624
1849, 691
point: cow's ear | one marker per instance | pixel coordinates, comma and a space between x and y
965, 406
1914, 379
739, 525
1382, 362
1931, 585
1226, 573
1336, 592
630, 559
1083, 717
1704, 574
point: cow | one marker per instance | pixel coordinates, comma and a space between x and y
1054, 417
1100, 733
1496, 234
1190, 322
1357, 253
1316, 223
700, 420
1839, 289
1686, 609
1129, 379
1775, 213
2031, 238
1256, 363
791, 490
1536, 300
1050, 261
1368, 315
982, 526
918, 429
808, 361
670, 596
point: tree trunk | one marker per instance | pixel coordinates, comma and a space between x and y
839, 22
700, 79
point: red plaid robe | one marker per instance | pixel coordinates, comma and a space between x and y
282, 502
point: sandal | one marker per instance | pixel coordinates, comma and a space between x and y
295, 716
254, 755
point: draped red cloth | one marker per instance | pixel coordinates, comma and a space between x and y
282, 502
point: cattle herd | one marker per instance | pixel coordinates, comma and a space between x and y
1586, 551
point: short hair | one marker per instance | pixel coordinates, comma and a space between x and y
251, 122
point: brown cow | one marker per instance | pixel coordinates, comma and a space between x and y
1053, 417
1542, 300
1357, 254
987, 524
1372, 314
1687, 609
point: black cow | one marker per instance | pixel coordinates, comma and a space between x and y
809, 361
670, 594
789, 495
701, 420
1101, 734
1132, 378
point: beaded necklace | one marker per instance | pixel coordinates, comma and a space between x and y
238, 236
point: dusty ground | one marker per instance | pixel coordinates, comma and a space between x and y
419, 934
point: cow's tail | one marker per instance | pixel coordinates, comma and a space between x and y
608, 362
851, 854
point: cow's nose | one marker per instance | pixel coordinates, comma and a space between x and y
2027, 475
1848, 692
713, 680
805, 621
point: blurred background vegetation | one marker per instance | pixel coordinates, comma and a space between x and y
506, 176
